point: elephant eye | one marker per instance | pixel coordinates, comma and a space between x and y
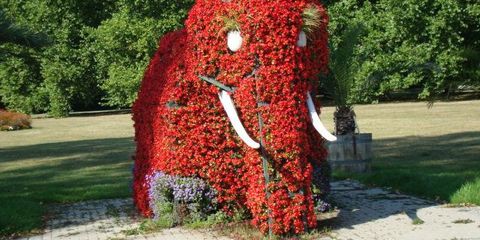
302, 39
234, 40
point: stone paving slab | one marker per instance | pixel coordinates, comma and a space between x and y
108, 219
380, 214
363, 213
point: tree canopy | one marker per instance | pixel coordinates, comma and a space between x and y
431, 45
99, 49
98, 53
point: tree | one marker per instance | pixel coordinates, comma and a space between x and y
59, 74
16, 59
11, 33
124, 44
410, 44
340, 80
98, 53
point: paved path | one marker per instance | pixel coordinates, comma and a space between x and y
379, 214
363, 214
112, 219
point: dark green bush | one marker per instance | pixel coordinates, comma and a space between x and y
124, 44
99, 49
410, 44
61, 73
21, 85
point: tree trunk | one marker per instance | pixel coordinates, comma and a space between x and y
344, 118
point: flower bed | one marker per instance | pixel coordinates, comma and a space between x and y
175, 199
11, 121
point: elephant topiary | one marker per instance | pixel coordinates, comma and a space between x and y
229, 99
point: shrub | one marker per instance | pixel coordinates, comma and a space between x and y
20, 82
175, 200
124, 44
10, 121
60, 76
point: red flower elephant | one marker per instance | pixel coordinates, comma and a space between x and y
228, 99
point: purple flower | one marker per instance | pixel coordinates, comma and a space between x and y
168, 189
322, 206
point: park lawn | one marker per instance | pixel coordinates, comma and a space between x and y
62, 161
427, 152
433, 153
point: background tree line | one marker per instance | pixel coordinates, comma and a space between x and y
99, 49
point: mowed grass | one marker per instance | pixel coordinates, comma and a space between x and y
427, 152
433, 153
61, 161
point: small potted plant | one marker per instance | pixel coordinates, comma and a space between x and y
352, 151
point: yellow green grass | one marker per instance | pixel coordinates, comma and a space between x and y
60, 161
434, 153
428, 152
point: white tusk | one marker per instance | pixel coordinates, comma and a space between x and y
317, 123
232, 114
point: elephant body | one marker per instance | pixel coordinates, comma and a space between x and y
181, 127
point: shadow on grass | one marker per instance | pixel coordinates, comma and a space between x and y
435, 168
32, 177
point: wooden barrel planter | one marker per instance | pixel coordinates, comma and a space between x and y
351, 153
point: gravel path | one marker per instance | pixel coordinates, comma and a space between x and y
364, 213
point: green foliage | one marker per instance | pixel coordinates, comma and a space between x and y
124, 44
417, 221
21, 86
69, 79
211, 220
99, 51
468, 193
166, 219
343, 67
60, 71
11, 33
410, 44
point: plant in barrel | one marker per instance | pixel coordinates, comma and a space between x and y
340, 79
352, 152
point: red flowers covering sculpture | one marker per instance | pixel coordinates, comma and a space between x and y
182, 127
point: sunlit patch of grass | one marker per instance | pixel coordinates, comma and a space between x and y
468, 193
44, 165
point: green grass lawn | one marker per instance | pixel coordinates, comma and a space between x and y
428, 152
60, 161
434, 153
